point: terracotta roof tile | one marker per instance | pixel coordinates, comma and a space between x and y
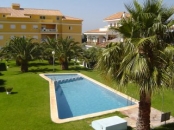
118, 15
22, 12
71, 18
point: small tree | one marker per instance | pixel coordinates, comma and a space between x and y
90, 56
22, 49
65, 50
48, 46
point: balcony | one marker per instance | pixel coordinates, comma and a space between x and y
48, 30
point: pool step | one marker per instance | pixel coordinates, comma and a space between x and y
67, 80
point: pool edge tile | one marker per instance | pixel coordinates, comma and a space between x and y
53, 102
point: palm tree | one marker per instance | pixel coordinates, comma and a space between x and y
22, 49
65, 50
145, 57
48, 46
90, 56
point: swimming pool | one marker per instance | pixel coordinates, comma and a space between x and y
78, 96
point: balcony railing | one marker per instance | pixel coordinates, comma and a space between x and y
48, 30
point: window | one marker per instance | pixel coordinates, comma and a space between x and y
70, 27
3, 15
42, 17
35, 26
1, 37
35, 37
23, 26
1, 26
12, 26
57, 17
69, 37
110, 24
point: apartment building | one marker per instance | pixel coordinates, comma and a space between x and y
37, 23
102, 36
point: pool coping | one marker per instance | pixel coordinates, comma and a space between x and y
53, 102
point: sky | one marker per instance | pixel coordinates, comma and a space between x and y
91, 11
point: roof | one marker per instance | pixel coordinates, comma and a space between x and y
96, 31
71, 18
118, 15
23, 12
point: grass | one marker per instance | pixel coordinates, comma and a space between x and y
27, 108
166, 127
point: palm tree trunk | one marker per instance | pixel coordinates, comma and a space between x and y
24, 66
64, 65
18, 61
50, 60
143, 122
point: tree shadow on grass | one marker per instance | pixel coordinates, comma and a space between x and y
33, 64
78, 68
14, 92
37, 64
1, 74
2, 88
169, 126
129, 128
36, 70
2, 82
46, 70
43, 70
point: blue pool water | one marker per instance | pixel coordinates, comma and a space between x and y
78, 96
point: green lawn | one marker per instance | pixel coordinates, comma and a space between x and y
27, 108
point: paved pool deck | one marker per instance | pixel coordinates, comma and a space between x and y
155, 117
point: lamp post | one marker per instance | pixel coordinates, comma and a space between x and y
53, 53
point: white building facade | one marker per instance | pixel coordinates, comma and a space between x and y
105, 35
